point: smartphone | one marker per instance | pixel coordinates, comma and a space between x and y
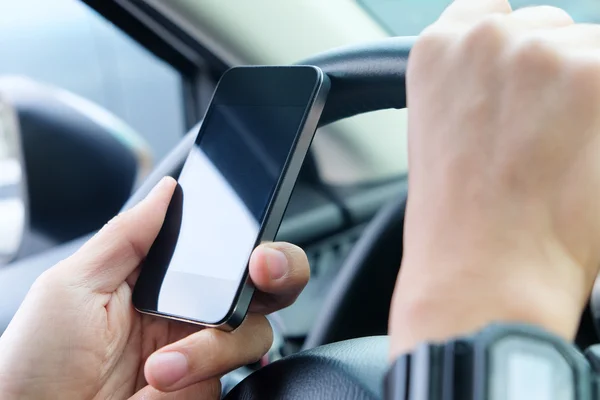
231, 194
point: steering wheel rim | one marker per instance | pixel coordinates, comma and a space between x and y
364, 78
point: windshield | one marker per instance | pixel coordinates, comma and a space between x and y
409, 17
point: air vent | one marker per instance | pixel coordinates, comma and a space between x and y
326, 258
329, 255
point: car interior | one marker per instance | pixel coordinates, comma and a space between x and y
73, 162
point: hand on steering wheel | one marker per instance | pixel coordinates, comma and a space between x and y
503, 219
77, 335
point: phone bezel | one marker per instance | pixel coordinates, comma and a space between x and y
283, 189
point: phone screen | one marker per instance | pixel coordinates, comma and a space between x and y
224, 190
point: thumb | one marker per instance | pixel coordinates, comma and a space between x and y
108, 258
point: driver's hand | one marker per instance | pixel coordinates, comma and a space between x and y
503, 217
77, 335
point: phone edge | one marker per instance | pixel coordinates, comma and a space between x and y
285, 186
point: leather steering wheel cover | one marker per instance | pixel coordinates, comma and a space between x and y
364, 78
352, 369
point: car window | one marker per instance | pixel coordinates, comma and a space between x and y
66, 44
409, 17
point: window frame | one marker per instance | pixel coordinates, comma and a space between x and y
199, 68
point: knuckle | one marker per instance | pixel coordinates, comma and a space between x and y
51, 280
534, 53
428, 47
434, 41
259, 329
46, 279
209, 342
212, 337
488, 34
116, 223
266, 334
431, 38
118, 228
298, 259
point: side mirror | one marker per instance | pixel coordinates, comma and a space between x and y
14, 205
82, 162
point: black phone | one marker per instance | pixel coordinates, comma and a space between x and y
231, 194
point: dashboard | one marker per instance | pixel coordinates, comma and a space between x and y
327, 230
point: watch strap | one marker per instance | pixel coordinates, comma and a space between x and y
501, 362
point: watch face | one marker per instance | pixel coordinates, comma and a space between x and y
522, 368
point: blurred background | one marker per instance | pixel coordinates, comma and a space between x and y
67, 44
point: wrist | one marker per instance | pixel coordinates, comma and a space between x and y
440, 302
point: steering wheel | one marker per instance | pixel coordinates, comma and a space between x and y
364, 78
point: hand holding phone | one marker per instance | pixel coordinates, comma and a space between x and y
88, 294
232, 193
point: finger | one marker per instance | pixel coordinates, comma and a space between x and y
580, 37
280, 271
207, 390
107, 259
207, 354
472, 11
541, 17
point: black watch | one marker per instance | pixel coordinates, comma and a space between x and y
501, 362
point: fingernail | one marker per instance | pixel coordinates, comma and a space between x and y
168, 368
277, 263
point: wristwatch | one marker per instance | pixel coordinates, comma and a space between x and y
500, 362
